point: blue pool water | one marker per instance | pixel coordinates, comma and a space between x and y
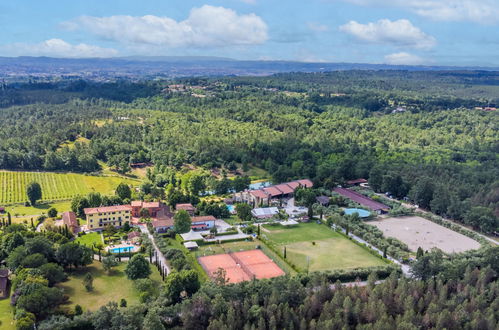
231, 208
362, 213
259, 185
122, 249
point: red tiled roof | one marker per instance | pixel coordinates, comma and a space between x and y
163, 223
137, 203
185, 206
69, 219
146, 205
203, 218
272, 191
293, 184
258, 193
361, 199
306, 183
102, 209
133, 234
285, 188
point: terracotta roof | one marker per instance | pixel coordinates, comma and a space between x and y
203, 218
293, 184
361, 199
163, 223
285, 188
136, 203
69, 219
146, 204
102, 209
258, 193
306, 183
133, 234
185, 206
272, 191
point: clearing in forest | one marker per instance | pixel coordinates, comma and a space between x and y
315, 247
55, 186
419, 232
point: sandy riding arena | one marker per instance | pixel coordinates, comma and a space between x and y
419, 232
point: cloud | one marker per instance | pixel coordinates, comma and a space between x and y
57, 48
404, 58
317, 27
207, 26
398, 33
478, 11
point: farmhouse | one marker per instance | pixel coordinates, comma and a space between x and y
69, 219
99, 217
4, 282
186, 207
362, 200
155, 209
203, 222
268, 194
198, 223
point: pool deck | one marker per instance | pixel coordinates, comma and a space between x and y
135, 248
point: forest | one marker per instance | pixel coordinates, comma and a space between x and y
412, 134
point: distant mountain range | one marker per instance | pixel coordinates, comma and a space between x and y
181, 66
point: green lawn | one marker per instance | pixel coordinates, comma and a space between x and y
39, 209
107, 288
55, 186
6, 317
318, 248
90, 239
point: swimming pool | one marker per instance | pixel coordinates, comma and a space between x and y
362, 213
122, 249
231, 208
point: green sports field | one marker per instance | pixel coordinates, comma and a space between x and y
55, 186
318, 248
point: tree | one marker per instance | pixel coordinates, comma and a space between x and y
53, 273
422, 192
78, 310
123, 302
52, 212
34, 192
144, 213
123, 191
109, 262
482, 218
243, 211
88, 282
137, 267
78, 204
72, 254
182, 222
94, 199
152, 321
126, 226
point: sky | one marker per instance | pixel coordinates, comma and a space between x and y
418, 32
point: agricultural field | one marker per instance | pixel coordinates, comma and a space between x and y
55, 186
314, 247
6, 315
107, 287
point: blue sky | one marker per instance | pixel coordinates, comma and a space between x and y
443, 32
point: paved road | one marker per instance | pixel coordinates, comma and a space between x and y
157, 253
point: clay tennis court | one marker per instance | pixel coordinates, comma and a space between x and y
242, 266
419, 232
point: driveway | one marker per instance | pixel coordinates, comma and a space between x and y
157, 253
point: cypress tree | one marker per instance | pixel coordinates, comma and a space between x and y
9, 219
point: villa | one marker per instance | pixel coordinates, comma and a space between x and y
99, 217
265, 195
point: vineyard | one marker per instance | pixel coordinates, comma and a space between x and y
55, 186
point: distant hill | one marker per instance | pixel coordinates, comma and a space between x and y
180, 66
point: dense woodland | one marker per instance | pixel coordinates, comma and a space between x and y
330, 127
436, 150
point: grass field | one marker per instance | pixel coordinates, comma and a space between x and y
55, 186
40, 208
90, 239
107, 288
316, 247
6, 317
